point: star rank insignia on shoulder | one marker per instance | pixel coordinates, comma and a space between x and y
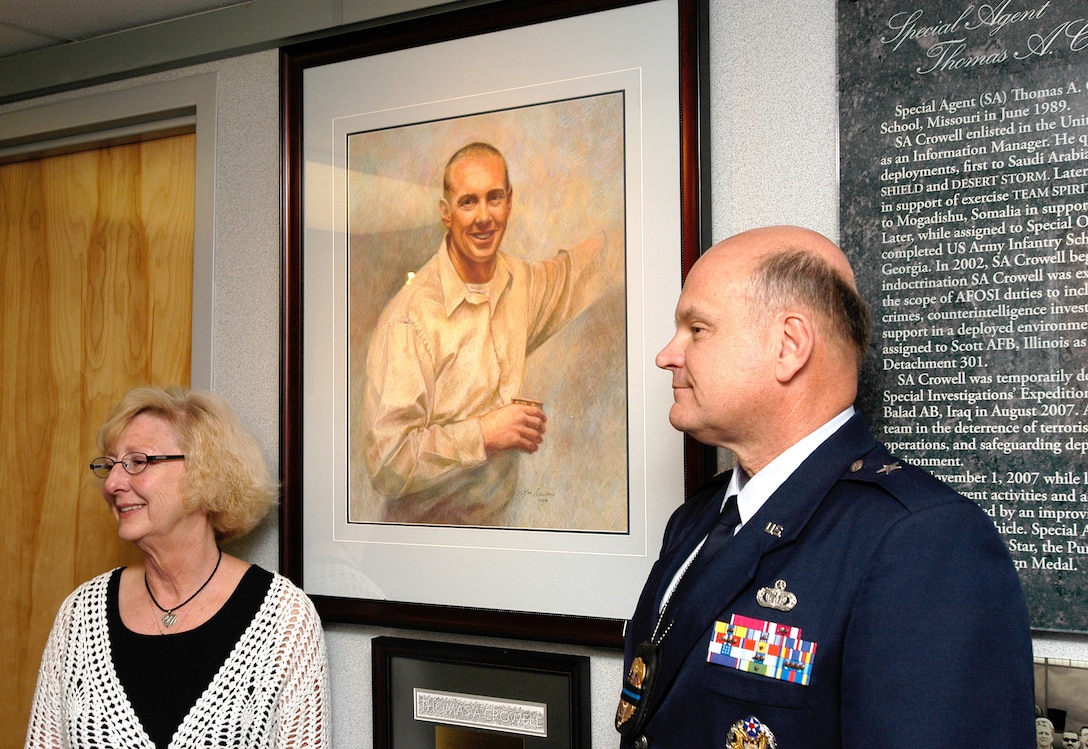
887, 468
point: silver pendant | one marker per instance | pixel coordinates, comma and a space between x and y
169, 620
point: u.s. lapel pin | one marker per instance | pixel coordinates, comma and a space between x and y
773, 529
777, 598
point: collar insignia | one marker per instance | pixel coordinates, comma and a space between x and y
888, 468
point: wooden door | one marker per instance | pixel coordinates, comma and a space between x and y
95, 298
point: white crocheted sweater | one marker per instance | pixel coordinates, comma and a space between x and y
272, 691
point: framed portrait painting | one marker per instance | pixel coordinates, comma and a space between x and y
488, 215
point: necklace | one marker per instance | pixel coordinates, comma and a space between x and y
168, 618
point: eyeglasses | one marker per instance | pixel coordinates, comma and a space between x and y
133, 463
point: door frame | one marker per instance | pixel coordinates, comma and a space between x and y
153, 110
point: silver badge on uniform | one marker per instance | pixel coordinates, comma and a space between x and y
777, 598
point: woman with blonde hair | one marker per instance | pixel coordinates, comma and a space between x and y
191, 647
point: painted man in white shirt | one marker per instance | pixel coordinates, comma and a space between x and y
445, 420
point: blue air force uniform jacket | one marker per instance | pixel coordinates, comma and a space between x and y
905, 597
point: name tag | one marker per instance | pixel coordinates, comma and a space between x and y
769, 649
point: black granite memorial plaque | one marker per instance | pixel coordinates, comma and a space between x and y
964, 205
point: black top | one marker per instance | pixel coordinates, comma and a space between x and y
164, 675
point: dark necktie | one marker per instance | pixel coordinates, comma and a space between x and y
730, 517
721, 532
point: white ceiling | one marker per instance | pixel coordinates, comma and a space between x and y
27, 25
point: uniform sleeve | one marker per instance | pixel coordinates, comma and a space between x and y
938, 650
46, 729
303, 710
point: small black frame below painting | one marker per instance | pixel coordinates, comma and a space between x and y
452, 696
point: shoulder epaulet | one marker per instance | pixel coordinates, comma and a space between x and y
914, 487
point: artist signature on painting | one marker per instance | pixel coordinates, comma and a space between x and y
540, 495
